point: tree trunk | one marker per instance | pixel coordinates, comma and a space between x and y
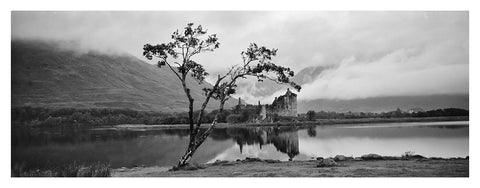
195, 143
186, 157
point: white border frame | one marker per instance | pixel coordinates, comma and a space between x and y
5, 81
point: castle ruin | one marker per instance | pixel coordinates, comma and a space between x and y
284, 106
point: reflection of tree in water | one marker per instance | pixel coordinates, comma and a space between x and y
284, 140
312, 132
26, 136
451, 126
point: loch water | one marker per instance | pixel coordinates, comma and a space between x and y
37, 148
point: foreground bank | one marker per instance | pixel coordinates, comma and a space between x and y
254, 167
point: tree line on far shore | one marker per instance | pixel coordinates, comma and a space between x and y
312, 115
38, 116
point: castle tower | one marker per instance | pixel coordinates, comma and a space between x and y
283, 105
263, 112
292, 102
239, 105
286, 105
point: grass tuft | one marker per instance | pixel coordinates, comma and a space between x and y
71, 170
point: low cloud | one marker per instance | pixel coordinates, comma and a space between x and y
375, 54
366, 54
401, 73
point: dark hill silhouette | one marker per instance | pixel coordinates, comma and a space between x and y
45, 75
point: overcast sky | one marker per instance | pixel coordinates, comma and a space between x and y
367, 54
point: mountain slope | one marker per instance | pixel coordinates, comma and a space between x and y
46, 75
308, 74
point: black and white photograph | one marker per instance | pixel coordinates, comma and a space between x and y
239, 93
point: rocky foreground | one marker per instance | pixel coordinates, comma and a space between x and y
370, 165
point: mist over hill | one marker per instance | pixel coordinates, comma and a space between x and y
46, 75
371, 104
374, 104
257, 90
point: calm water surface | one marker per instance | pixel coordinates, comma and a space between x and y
162, 147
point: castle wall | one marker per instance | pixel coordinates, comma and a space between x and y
285, 105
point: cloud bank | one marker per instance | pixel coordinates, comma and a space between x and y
365, 54
401, 73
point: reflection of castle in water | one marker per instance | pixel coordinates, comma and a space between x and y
285, 141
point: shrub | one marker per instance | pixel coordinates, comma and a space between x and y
234, 118
311, 115
408, 154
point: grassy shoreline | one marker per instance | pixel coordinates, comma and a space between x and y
386, 167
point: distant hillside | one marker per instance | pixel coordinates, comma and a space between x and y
384, 104
47, 76
308, 75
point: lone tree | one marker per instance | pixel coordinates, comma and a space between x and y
177, 56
